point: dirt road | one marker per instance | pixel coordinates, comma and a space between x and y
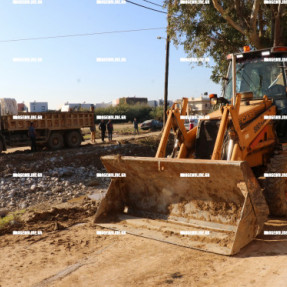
98, 141
69, 251
77, 256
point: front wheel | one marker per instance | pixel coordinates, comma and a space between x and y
275, 188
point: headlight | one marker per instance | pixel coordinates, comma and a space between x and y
213, 101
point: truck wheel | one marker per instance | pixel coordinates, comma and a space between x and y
275, 188
56, 141
73, 139
1, 146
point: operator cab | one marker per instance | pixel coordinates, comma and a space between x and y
262, 72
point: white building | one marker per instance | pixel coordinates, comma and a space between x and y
157, 103
152, 104
36, 107
75, 107
196, 106
199, 106
103, 105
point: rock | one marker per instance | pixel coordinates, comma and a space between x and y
4, 212
12, 204
33, 187
93, 183
23, 205
66, 172
12, 193
55, 173
57, 189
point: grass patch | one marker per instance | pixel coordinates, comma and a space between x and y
12, 216
119, 130
125, 131
150, 141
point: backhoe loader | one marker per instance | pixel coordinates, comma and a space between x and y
223, 178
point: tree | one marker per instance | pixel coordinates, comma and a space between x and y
157, 113
225, 26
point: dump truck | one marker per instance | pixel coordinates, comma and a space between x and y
223, 178
54, 129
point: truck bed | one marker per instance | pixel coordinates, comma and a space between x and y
47, 121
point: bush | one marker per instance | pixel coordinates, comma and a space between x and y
141, 112
157, 113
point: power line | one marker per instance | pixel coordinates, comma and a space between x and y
80, 35
146, 7
152, 3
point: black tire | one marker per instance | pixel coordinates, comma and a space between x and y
56, 141
1, 146
73, 139
275, 188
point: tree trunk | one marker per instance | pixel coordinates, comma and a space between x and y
278, 35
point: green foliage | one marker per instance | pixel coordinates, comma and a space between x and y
139, 111
157, 113
203, 30
122, 101
12, 216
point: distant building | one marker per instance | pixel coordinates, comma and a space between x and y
36, 107
8, 106
75, 107
22, 107
68, 107
160, 102
103, 105
196, 106
199, 106
129, 101
116, 102
157, 103
152, 104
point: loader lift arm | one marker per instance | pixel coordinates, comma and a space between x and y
186, 139
248, 139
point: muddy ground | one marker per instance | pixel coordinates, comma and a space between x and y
63, 174
69, 251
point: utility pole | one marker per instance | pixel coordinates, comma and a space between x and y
166, 79
166, 66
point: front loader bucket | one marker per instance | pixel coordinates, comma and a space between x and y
220, 212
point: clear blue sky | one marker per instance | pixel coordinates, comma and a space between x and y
69, 70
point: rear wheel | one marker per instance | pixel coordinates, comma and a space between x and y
56, 141
275, 188
1, 146
73, 139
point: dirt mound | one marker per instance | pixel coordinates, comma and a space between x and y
53, 218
